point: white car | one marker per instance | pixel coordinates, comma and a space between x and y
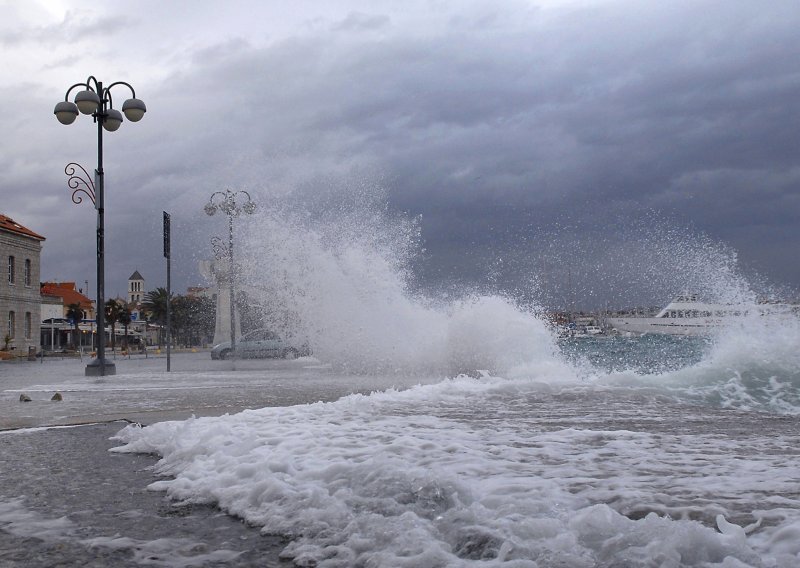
260, 343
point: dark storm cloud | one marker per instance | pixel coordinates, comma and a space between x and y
512, 124
498, 123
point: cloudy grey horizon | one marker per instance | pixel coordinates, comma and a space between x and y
540, 143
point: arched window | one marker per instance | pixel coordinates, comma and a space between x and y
27, 325
11, 324
10, 269
28, 272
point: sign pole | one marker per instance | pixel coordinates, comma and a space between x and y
169, 284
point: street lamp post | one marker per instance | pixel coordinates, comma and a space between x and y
230, 203
96, 100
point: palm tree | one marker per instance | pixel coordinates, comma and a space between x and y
75, 315
125, 319
112, 316
155, 304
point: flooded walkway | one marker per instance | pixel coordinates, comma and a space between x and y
66, 501
142, 391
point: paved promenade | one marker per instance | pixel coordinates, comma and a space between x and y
66, 501
142, 391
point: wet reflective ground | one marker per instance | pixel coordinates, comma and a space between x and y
66, 501
143, 392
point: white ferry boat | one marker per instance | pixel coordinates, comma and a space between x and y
686, 315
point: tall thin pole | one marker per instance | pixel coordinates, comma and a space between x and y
169, 317
232, 282
167, 255
100, 315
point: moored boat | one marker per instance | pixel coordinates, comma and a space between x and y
687, 315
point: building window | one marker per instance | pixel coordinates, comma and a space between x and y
10, 269
27, 325
11, 324
28, 272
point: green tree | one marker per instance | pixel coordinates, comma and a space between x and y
113, 309
180, 309
75, 316
125, 319
193, 319
155, 304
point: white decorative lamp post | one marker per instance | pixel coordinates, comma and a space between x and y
231, 204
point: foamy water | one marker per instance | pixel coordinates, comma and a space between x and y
537, 462
518, 455
489, 471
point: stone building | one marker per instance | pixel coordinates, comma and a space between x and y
20, 300
135, 289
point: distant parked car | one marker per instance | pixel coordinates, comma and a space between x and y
261, 343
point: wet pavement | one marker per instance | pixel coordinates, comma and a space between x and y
66, 501
142, 391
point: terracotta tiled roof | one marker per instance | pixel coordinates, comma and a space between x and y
67, 292
8, 224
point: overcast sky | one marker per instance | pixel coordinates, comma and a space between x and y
536, 139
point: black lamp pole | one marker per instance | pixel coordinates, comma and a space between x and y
96, 100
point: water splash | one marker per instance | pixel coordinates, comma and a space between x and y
339, 278
643, 262
752, 364
334, 271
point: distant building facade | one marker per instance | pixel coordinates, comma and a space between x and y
136, 297
69, 294
20, 300
135, 289
136, 292
57, 331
